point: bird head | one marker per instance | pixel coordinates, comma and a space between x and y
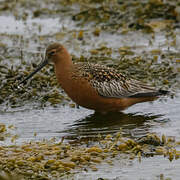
52, 52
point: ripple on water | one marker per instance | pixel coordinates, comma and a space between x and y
72, 123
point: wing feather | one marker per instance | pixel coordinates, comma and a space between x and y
118, 90
108, 82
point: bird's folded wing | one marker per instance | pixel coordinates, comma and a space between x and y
126, 88
108, 82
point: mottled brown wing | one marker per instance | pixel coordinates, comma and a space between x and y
128, 88
108, 82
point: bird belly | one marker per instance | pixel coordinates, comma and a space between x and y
82, 93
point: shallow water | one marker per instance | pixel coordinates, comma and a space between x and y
155, 168
73, 123
162, 117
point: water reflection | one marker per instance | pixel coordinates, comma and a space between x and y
132, 124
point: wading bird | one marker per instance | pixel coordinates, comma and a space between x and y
96, 86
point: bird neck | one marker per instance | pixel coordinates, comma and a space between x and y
63, 65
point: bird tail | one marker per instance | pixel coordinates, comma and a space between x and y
151, 94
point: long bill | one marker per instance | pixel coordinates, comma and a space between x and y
40, 66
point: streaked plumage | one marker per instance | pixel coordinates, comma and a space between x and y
108, 82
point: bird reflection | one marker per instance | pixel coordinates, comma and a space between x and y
132, 124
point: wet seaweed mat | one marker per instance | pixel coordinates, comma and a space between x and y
52, 160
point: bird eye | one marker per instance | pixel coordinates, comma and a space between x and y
51, 53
